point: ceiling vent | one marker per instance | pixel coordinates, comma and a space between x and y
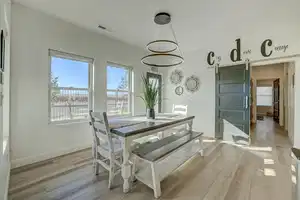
102, 27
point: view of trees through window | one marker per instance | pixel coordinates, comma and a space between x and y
118, 90
69, 89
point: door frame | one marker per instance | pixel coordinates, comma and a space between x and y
286, 59
276, 98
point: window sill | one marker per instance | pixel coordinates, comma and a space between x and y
68, 122
120, 116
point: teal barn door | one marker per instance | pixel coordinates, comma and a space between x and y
233, 102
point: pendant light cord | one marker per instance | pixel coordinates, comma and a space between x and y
173, 32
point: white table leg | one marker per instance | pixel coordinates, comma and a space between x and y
156, 182
201, 152
190, 125
126, 167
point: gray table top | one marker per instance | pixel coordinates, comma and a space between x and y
129, 126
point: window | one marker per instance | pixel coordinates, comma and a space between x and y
264, 96
119, 89
69, 83
156, 79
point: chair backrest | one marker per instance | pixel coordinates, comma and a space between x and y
101, 130
180, 109
118, 109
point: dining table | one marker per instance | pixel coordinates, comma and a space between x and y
130, 128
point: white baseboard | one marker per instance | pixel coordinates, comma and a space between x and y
4, 175
33, 159
7, 183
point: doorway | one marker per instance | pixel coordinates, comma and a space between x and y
269, 92
271, 105
156, 79
244, 96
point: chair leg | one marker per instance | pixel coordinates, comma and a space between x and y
97, 167
160, 135
111, 173
156, 182
111, 178
96, 164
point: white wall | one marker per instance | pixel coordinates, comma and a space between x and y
5, 24
297, 105
33, 33
202, 103
267, 72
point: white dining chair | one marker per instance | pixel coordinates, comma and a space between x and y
107, 150
180, 109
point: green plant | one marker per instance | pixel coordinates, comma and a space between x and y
150, 93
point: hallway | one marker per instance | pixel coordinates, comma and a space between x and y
266, 132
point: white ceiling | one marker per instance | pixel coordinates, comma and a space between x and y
197, 23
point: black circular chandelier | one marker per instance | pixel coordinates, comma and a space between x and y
163, 52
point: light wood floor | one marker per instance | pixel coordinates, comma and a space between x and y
26, 176
261, 171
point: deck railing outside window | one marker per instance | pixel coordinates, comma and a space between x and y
118, 89
117, 102
69, 103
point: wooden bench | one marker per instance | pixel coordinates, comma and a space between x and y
164, 156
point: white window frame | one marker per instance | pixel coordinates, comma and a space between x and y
74, 57
130, 87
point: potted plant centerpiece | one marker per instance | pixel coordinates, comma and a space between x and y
149, 96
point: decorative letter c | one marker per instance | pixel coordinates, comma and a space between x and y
209, 57
264, 46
